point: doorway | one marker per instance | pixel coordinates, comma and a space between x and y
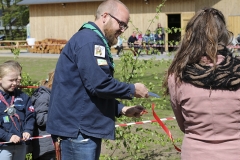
174, 20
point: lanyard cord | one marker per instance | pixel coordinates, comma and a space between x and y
89, 26
7, 105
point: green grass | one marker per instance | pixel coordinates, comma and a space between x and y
37, 68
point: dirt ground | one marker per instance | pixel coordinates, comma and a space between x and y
153, 151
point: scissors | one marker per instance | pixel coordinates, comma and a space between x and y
153, 94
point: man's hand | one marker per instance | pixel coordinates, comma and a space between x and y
141, 90
26, 136
15, 139
133, 111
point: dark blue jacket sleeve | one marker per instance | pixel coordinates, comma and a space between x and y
119, 107
29, 117
4, 135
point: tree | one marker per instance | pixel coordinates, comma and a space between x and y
15, 18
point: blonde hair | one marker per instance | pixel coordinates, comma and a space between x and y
5, 68
48, 83
16, 63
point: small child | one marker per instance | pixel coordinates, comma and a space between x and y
17, 115
43, 149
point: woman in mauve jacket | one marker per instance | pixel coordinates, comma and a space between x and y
203, 83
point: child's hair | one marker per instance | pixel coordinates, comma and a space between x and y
48, 82
5, 68
15, 63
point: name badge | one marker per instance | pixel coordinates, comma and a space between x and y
99, 51
102, 62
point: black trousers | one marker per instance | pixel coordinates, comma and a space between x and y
119, 49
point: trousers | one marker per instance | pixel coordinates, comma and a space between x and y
13, 152
81, 148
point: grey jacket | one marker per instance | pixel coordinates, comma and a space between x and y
40, 100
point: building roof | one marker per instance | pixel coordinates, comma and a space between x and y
33, 2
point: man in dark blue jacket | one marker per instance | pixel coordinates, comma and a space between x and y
82, 104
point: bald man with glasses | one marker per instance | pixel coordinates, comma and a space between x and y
83, 103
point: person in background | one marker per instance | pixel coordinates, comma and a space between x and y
159, 41
119, 46
83, 103
160, 33
146, 37
133, 43
17, 114
203, 82
152, 38
160, 30
43, 149
148, 40
140, 36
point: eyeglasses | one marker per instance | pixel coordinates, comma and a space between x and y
122, 25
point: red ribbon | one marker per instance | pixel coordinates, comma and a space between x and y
28, 87
164, 127
31, 138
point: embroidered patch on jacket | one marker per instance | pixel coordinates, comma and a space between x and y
6, 119
102, 62
18, 99
99, 51
31, 109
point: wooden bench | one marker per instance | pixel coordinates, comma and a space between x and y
13, 44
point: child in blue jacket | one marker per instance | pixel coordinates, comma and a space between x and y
17, 115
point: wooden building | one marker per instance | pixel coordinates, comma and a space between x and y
62, 18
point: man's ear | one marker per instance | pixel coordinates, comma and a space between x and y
105, 17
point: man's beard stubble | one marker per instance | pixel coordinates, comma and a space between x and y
110, 35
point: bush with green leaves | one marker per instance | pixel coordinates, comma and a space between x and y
16, 52
134, 142
27, 81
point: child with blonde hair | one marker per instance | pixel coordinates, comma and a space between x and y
17, 114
